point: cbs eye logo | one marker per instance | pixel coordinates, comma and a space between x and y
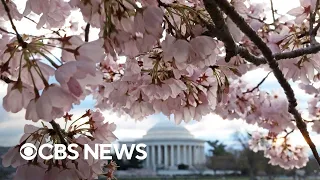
28, 151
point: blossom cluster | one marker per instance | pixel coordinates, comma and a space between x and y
267, 110
92, 131
279, 150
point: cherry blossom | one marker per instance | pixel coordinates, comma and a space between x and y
302, 12
18, 97
70, 169
279, 150
53, 16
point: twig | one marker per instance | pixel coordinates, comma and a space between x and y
86, 32
3, 30
272, 9
267, 53
20, 40
298, 52
259, 84
288, 133
220, 25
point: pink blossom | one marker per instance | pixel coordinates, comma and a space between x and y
13, 10
102, 130
17, 98
92, 51
255, 143
52, 104
275, 39
302, 12
54, 16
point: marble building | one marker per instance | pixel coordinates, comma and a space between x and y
169, 145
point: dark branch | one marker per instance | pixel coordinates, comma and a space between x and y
315, 29
223, 30
86, 32
5, 79
267, 53
298, 52
256, 60
56, 127
244, 53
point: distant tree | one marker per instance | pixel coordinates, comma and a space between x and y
312, 168
132, 163
220, 158
249, 161
218, 148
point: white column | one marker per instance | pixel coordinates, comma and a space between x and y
197, 154
148, 157
153, 155
190, 155
178, 155
203, 155
185, 154
159, 154
171, 155
165, 156
194, 152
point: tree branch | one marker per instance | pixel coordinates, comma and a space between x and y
256, 60
244, 53
19, 38
298, 52
218, 31
267, 53
220, 25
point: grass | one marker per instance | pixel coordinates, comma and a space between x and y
208, 178
186, 178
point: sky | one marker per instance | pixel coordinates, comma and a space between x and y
211, 127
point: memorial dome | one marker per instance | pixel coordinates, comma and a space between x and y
168, 130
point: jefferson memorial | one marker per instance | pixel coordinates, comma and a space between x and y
170, 145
